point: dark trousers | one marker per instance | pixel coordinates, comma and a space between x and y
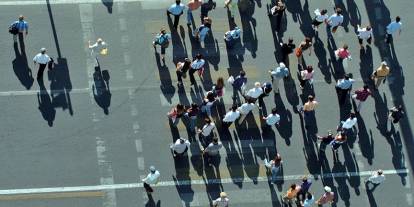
361, 40
148, 188
226, 124
176, 19
278, 21
343, 93
179, 76
191, 73
40, 71
388, 38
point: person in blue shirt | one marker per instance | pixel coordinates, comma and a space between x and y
21, 28
162, 39
232, 36
177, 10
343, 86
277, 74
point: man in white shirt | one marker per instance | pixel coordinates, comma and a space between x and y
245, 109
212, 150
392, 28
364, 34
180, 147
254, 93
376, 178
177, 10
230, 117
350, 122
335, 20
196, 65
222, 201
151, 179
97, 49
42, 59
205, 132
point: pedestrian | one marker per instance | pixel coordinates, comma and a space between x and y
218, 88
19, 29
212, 150
163, 40
182, 68
222, 201
238, 83
177, 10
230, 117
192, 114
377, 177
325, 140
208, 103
231, 6
206, 132
380, 74
232, 36
274, 166
277, 74
151, 179
267, 88
245, 109
175, 114
180, 147
290, 196
304, 45
334, 21
343, 86
349, 123
304, 188
273, 118
309, 201
254, 93
308, 110
202, 31
340, 138
321, 16
393, 28
98, 48
192, 5
360, 96
396, 113
278, 10
286, 49
343, 53
206, 7
364, 33
327, 197
42, 59
196, 66
306, 76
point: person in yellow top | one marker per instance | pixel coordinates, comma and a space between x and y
380, 74
291, 194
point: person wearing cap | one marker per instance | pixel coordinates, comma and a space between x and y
180, 147
376, 178
151, 179
327, 197
277, 74
343, 86
254, 93
364, 33
22, 28
42, 59
222, 201
380, 74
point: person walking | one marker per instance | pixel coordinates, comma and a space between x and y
308, 110
327, 197
334, 21
206, 132
290, 196
151, 179
208, 103
98, 48
254, 93
218, 88
286, 49
343, 53
245, 109
364, 33
304, 188
230, 37
181, 71
325, 140
177, 10
278, 10
321, 16
396, 113
212, 150
377, 177
309, 201
343, 86
393, 28
206, 7
163, 40
222, 201
19, 29
230, 116
196, 66
203, 30
304, 45
239, 84
192, 5
192, 114
267, 88
349, 123
380, 74
42, 59
360, 96
274, 166
340, 138
180, 147
277, 74
306, 76
175, 114
273, 118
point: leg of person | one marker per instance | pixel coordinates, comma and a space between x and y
176, 21
276, 85
241, 118
378, 81
191, 74
162, 53
388, 38
360, 40
189, 16
179, 77
369, 40
40, 71
148, 188
278, 22
15, 38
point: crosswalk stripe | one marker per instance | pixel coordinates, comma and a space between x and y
43, 2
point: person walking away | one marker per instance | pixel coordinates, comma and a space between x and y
182, 68
254, 93
19, 29
361, 96
192, 114
267, 88
278, 10
334, 21
304, 45
212, 150
205, 133
343, 53
340, 139
196, 66
364, 33
277, 74
180, 147
222, 201
327, 197
208, 103
273, 118
393, 28
396, 113
245, 109
239, 84
42, 59
380, 74
206, 7
308, 110
290, 196
201, 32
321, 16
192, 5
377, 177
309, 201
306, 77
286, 49
274, 166
230, 117
304, 188
163, 40
343, 86
151, 179
232, 36
325, 140
175, 114
177, 10
349, 123
218, 88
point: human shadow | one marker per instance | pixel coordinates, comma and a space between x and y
234, 161
60, 85
285, 129
46, 107
248, 24
212, 50
168, 90
320, 53
291, 93
337, 68
182, 179
178, 51
100, 88
151, 202
398, 157
370, 195
381, 112
366, 64
21, 68
108, 4
352, 166
305, 21
343, 189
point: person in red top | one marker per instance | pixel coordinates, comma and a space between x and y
361, 96
343, 53
192, 6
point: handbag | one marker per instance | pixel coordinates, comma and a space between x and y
230, 80
104, 51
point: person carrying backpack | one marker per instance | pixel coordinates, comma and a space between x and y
162, 39
231, 36
19, 28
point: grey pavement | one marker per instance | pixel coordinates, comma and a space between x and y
68, 140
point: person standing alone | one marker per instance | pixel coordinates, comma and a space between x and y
42, 59
151, 179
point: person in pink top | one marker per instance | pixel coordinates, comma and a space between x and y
343, 53
192, 5
327, 197
306, 76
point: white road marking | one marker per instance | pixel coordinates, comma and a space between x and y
141, 164
43, 2
138, 145
136, 127
134, 110
184, 182
105, 170
122, 24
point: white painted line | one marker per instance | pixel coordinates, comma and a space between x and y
43, 2
122, 24
141, 164
127, 58
138, 145
129, 75
409, 198
136, 127
125, 41
134, 110
105, 170
131, 93
184, 182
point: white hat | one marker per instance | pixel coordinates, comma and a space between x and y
282, 65
42, 49
152, 169
257, 84
327, 189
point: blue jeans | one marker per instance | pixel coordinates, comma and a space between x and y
189, 16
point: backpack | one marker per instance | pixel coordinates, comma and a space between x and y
163, 41
13, 28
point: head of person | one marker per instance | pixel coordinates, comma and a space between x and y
179, 107
324, 11
309, 196
43, 50
257, 85
398, 19
338, 11
366, 87
207, 120
368, 28
311, 98
309, 68
234, 108
345, 47
380, 172
342, 135
384, 64
162, 31
152, 169
182, 140
194, 105
223, 195
327, 189
274, 111
290, 40
177, 1
293, 186
305, 179
21, 17
215, 140
352, 115
198, 56
308, 40
250, 101
220, 82
99, 40
346, 77
277, 158
242, 73
282, 65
